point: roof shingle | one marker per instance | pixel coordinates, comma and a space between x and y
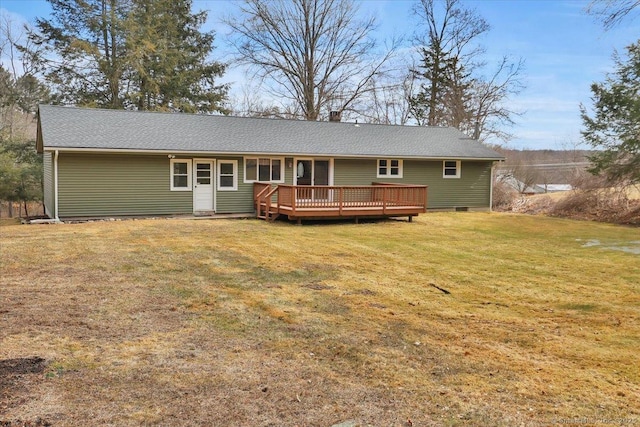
84, 128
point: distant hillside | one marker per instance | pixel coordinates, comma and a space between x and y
544, 166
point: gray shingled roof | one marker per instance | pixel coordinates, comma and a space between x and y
83, 128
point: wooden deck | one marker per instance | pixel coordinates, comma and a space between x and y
299, 202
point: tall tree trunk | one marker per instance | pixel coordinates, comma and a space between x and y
433, 96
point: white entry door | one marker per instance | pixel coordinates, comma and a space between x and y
203, 185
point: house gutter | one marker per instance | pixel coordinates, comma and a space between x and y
200, 154
493, 169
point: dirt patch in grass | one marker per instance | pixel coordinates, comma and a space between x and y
17, 378
249, 323
317, 286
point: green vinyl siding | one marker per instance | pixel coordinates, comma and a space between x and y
288, 170
355, 172
241, 201
238, 201
471, 190
100, 184
48, 183
109, 184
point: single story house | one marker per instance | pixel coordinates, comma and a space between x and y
555, 188
522, 188
100, 163
508, 179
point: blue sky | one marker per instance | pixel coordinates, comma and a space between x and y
564, 49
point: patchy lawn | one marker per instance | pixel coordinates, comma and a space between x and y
454, 319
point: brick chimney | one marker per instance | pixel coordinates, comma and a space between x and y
335, 116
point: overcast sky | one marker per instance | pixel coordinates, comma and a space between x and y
564, 49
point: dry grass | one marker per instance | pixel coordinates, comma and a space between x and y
612, 205
607, 205
241, 322
632, 192
33, 209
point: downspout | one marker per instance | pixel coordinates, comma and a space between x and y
493, 167
55, 184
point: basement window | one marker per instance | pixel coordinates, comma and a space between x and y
389, 168
451, 169
180, 175
227, 175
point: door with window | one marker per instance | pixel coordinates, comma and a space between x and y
203, 185
313, 172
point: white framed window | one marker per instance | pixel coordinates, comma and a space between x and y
180, 173
227, 175
264, 169
451, 169
389, 168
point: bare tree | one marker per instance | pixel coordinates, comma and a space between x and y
249, 103
388, 100
519, 175
612, 12
454, 92
20, 90
311, 52
488, 115
448, 57
20, 93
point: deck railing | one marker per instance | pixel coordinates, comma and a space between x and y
351, 197
376, 199
259, 189
263, 197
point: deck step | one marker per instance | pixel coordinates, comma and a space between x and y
262, 213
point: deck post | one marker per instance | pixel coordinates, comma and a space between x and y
385, 194
267, 206
294, 196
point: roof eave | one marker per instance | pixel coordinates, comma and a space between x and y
260, 153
